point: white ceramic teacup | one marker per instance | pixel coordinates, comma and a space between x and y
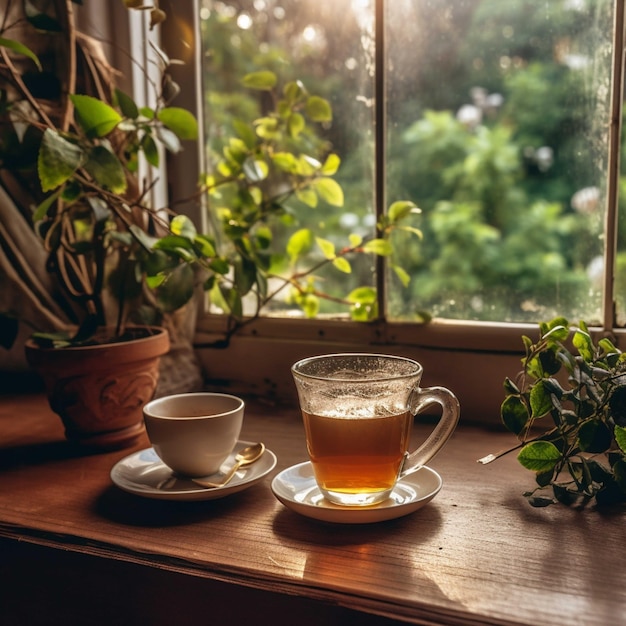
193, 433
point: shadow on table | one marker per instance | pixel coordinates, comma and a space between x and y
132, 510
40, 453
423, 525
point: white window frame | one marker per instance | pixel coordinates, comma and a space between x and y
471, 358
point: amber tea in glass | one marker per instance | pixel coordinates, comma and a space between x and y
358, 410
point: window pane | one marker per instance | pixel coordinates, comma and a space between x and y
328, 47
500, 112
496, 113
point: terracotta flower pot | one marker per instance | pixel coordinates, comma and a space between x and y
99, 390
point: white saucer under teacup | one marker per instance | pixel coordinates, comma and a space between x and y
144, 474
297, 489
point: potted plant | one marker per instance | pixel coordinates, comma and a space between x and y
114, 258
70, 149
579, 386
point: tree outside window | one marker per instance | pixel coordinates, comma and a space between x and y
496, 115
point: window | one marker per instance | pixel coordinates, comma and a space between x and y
500, 121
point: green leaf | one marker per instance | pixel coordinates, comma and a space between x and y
264, 80
220, 266
52, 340
381, 247
308, 303
539, 456
96, 118
401, 209
566, 496
245, 132
286, 162
550, 362
178, 246
308, 197
155, 281
255, 170
20, 48
543, 479
300, 242
293, 91
71, 191
327, 247
331, 165
106, 169
256, 195
267, 128
607, 345
619, 470
402, 275
584, 345
183, 226
232, 300
147, 112
150, 150
557, 329
411, 229
295, 124
180, 121
594, 436
177, 289
342, 264
308, 166
127, 105
355, 240
264, 236
540, 400
514, 414
42, 209
364, 304
510, 387
362, 295
364, 312
620, 437
236, 151
58, 159
318, 109
169, 139
245, 275
145, 241
206, 245
100, 209
540, 501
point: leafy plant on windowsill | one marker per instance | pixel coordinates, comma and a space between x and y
74, 156
580, 386
263, 169
112, 253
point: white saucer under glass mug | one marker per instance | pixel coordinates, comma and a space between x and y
358, 410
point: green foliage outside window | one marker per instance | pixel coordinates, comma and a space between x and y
512, 206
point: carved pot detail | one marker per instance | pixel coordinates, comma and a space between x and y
99, 391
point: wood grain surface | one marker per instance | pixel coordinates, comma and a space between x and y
476, 554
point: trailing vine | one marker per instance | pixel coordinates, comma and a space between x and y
580, 387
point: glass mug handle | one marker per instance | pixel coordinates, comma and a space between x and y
418, 401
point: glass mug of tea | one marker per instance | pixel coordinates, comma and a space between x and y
358, 411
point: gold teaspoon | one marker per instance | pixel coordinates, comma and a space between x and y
246, 456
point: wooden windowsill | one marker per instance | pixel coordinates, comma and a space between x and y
75, 549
